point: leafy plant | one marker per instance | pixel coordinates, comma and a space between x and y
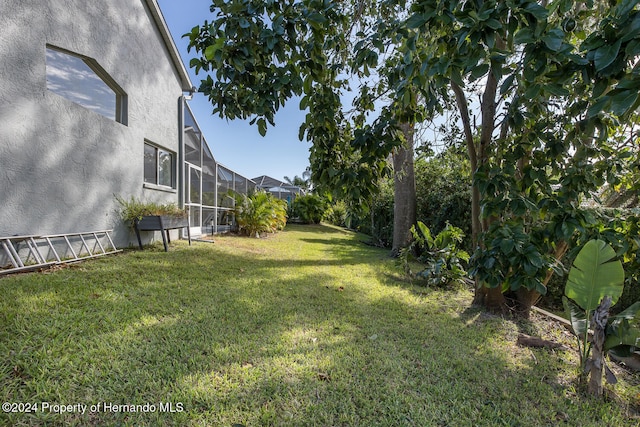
134, 209
259, 212
441, 255
443, 192
596, 281
336, 214
309, 208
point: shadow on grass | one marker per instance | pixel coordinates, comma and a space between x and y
256, 340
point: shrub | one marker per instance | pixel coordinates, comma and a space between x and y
133, 209
440, 255
309, 208
377, 219
443, 196
336, 214
259, 212
443, 193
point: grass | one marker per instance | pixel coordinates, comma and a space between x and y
308, 327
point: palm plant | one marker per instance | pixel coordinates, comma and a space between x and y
259, 213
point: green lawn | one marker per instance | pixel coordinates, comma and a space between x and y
309, 327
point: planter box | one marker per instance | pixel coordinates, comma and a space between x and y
163, 224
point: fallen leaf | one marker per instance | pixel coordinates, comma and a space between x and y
323, 377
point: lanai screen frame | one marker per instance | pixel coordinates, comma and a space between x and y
216, 217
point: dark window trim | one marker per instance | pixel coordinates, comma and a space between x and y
121, 113
174, 162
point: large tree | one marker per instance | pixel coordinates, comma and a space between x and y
261, 54
549, 81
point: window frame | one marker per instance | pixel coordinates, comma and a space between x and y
121, 101
174, 162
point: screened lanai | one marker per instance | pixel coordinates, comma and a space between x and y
277, 188
207, 183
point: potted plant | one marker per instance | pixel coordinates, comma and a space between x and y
153, 216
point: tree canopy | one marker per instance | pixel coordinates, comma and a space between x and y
543, 90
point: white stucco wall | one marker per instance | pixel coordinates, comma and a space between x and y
61, 164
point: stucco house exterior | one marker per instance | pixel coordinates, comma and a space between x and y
92, 105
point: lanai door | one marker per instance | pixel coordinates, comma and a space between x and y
194, 198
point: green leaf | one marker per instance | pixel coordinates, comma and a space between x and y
456, 77
624, 7
426, 233
622, 330
595, 274
621, 102
489, 263
301, 131
532, 92
553, 39
262, 126
600, 87
557, 90
539, 12
529, 268
629, 313
211, 50
605, 55
577, 317
524, 36
632, 30
479, 71
597, 107
493, 23
506, 246
316, 19
594, 41
416, 21
506, 84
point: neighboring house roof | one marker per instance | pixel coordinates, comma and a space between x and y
187, 86
276, 186
267, 181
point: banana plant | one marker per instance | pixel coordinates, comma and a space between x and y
596, 274
623, 332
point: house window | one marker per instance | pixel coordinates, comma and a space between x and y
159, 166
82, 80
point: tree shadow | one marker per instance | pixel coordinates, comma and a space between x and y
236, 340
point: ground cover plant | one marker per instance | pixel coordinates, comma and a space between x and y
308, 327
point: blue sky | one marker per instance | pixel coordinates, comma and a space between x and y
236, 144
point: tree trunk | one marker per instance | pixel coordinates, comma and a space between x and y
528, 298
599, 325
461, 101
404, 198
525, 299
490, 298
